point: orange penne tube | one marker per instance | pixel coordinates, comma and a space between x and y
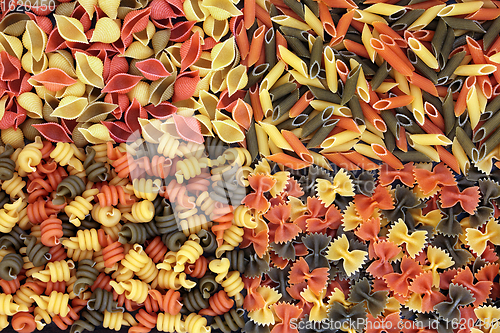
391, 57
342, 26
496, 73
356, 48
393, 102
423, 35
391, 43
301, 104
288, 161
242, 40
401, 142
347, 123
362, 161
341, 161
434, 115
448, 158
256, 46
383, 28
263, 16
476, 51
430, 128
461, 102
255, 101
484, 14
326, 19
349, 4
249, 13
484, 83
280, 40
373, 117
423, 83
297, 146
342, 69
387, 156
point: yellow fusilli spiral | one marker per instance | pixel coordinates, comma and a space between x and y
80, 207
205, 203
142, 212
169, 323
57, 271
107, 216
190, 222
78, 255
113, 320
167, 145
56, 303
233, 283
31, 156
195, 323
146, 188
189, 252
189, 168
42, 318
232, 238
169, 279
84, 240
7, 307
14, 186
135, 290
135, 259
191, 149
9, 215
64, 154
23, 296
122, 274
219, 267
243, 217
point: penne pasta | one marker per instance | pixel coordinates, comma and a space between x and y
430, 139
475, 70
423, 53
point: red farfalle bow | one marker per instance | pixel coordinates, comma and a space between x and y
332, 220
368, 231
294, 291
489, 273
281, 229
480, 290
468, 198
316, 280
388, 175
315, 210
422, 284
381, 198
428, 180
384, 251
253, 300
260, 240
399, 282
260, 183
287, 313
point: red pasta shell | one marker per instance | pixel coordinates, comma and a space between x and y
21, 85
121, 83
55, 42
81, 15
152, 69
185, 85
132, 115
190, 51
188, 128
42, 21
135, 21
53, 132
162, 110
161, 9
180, 31
10, 67
54, 79
118, 130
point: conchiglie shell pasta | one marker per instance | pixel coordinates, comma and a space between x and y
137, 50
160, 40
162, 89
77, 90
96, 112
11, 45
89, 69
14, 24
223, 54
174, 54
109, 7
221, 9
203, 85
34, 40
3, 101
218, 80
13, 137
89, 6
195, 11
236, 79
145, 35
106, 31
63, 60
140, 92
70, 107
215, 28
96, 134
206, 125
65, 8
167, 63
32, 104
208, 104
70, 29
203, 65
32, 66
228, 131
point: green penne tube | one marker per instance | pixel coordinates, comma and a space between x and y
316, 122
325, 95
354, 37
380, 75
409, 125
368, 67
316, 58
350, 85
463, 24
357, 112
436, 101
252, 144
296, 6
282, 91
491, 143
487, 128
446, 48
452, 64
313, 6
448, 113
421, 66
285, 105
407, 19
293, 32
270, 47
411, 156
322, 132
391, 122
293, 123
257, 74
439, 37
298, 47
491, 34
467, 145
390, 141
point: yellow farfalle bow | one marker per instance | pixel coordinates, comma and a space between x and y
319, 310
342, 185
437, 259
352, 260
477, 240
265, 316
414, 242
488, 315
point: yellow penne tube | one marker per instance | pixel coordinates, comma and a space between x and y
292, 60
366, 36
341, 148
475, 70
366, 150
340, 138
430, 139
330, 69
362, 87
461, 156
266, 103
460, 8
288, 21
473, 106
306, 81
273, 148
418, 104
385, 87
369, 138
427, 151
367, 17
313, 21
286, 78
495, 58
423, 53
384, 9
401, 81
273, 76
321, 160
481, 98
275, 135
338, 110
426, 18
262, 140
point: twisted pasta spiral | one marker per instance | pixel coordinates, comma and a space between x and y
134, 290
56, 303
113, 320
11, 266
9, 215
84, 240
80, 207
7, 165
194, 301
142, 212
170, 323
169, 279
167, 145
191, 223
70, 187
86, 275
170, 302
232, 238
189, 168
102, 300
51, 230
132, 233
233, 283
14, 186
146, 188
37, 253
230, 322
108, 216
56, 271
96, 171
7, 307
64, 154
189, 252
30, 156
195, 323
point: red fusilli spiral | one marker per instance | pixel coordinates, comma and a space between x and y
198, 269
112, 195
156, 249
52, 231
220, 303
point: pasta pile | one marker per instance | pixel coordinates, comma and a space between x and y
263, 166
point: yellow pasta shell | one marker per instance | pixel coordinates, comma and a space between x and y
106, 31
30, 132
63, 60
71, 29
109, 7
89, 69
140, 92
236, 79
218, 80
145, 35
14, 24
194, 11
208, 104
30, 65
65, 8
203, 64
41, 91
88, 5
137, 50
11, 45
70, 107
174, 53
34, 40
32, 104
206, 125
160, 40
228, 131
223, 54
13, 137
96, 134
77, 89
215, 28
96, 112
3, 101
203, 85
221, 9
187, 107
167, 63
